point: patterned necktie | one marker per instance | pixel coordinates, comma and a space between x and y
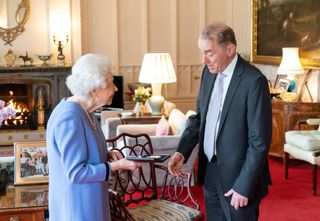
213, 115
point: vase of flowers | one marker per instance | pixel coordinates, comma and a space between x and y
5, 112
141, 95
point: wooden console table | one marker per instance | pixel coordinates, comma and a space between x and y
289, 116
23, 203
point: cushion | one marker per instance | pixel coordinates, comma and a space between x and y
168, 107
177, 121
301, 154
158, 209
306, 140
190, 113
163, 127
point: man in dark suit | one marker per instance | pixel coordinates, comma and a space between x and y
233, 127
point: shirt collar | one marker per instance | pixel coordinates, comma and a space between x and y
230, 68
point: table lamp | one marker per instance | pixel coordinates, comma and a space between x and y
157, 68
291, 66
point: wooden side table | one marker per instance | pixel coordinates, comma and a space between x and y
23, 203
289, 116
146, 118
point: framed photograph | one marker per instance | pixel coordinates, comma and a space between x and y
284, 84
32, 195
282, 23
31, 162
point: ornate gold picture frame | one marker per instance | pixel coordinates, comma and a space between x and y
281, 23
31, 162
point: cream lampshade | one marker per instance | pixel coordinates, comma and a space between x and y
290, 64
157, 68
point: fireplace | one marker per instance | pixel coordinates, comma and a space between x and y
31, 101
33, 93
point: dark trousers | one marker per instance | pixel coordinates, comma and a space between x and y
218, 206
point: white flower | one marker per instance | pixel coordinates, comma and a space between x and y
2, 103
5, 112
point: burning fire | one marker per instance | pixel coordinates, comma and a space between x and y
22, 112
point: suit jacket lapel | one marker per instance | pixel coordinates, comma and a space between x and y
211, 79
234, 83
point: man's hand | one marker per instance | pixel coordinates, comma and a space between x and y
175, 164
237, 200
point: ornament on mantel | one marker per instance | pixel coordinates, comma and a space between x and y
10, 58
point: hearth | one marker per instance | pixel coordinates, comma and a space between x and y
33, 93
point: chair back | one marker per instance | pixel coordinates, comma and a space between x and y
178, 190
139, 185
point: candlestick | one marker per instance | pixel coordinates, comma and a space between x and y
61, 56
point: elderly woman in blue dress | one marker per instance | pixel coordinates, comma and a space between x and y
78, 158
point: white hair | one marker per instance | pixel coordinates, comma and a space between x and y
89, 73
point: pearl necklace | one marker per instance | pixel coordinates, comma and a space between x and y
91, 119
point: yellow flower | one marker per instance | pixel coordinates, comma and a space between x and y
141, 94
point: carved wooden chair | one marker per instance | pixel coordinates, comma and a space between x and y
133, 194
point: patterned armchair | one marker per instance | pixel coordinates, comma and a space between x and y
134, 196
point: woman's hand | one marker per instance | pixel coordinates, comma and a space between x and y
114, 155
125, 164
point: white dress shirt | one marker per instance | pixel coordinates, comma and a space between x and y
228, 72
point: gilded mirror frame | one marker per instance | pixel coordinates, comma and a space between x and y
8, 35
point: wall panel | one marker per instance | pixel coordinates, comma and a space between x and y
160, 21
242, 9
188, 31
216, 10
130, 37
97, 22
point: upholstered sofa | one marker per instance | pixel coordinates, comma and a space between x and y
110, 120
165, 144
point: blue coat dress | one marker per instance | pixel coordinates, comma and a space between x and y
77, 153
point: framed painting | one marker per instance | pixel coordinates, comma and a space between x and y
31, 162
282, 23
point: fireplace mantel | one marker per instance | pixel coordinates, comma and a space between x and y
56, 76
23, 69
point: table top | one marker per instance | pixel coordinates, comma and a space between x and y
129, 115
143, 118
18, 197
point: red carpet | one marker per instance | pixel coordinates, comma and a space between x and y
288, 200
292, 199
